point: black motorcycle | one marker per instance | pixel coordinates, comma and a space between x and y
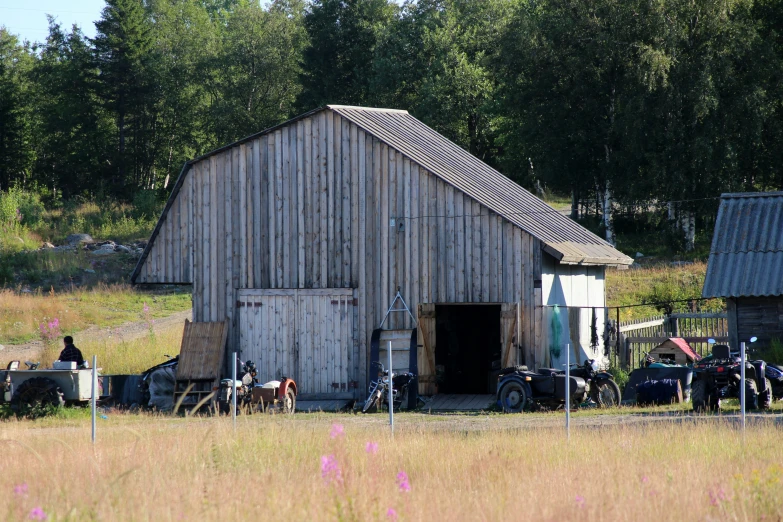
379, 390
519, 387
246, 381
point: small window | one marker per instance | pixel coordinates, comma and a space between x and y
667, 358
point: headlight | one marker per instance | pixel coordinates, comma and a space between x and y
594, 365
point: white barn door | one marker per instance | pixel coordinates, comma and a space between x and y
306, 334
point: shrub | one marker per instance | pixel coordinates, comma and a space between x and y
146, 205
620, 376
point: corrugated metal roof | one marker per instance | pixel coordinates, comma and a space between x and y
746, 257
563, 238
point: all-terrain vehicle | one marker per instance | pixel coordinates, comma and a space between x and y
519, 387
719, 377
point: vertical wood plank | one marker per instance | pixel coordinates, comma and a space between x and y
493, 257
325, 122
392, 280
346, 174
405, 268
272, 209
285, 182
242, 225
354, 204
399, 237
383, 251
279, 199
309, 207
205, 269
451, 276
476, 275
413, 225
330, 198
441, 234
293, 261
459, 233
258, 235
424, 243
360, 247
301, 203
220, 263
263, 251
485, 268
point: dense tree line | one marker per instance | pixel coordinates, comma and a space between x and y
622, 105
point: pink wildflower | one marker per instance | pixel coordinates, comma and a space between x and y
645, 480
337, 431
37, 514
371, 447
391, 513
330, 469
580, 501
21, 489
402, 482
146, 308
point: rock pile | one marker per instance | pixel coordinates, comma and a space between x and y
103, 248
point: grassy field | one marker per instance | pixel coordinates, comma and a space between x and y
25, 317
657, 283
345, 467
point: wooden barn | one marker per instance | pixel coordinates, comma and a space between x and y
302, 234
746, 265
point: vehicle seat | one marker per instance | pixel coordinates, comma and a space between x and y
721, 351
548, 371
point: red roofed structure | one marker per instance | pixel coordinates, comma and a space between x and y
675, 350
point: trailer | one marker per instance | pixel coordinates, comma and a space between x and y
62, 385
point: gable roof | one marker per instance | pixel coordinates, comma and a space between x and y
563, 238
746, 257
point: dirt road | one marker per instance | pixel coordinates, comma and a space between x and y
32, 350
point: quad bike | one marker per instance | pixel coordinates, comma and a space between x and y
379, 390
719, 377
519, 387
271, 396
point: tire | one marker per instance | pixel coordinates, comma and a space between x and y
35, 394
372, 403
699, 397
751, 395
765, 397
606, 393
513, 397
289, 402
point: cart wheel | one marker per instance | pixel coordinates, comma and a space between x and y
35, 394
289, 404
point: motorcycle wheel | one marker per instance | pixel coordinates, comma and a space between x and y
606, 393
372, 403
513, 397
289, 404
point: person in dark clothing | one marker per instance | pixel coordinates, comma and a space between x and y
70, 352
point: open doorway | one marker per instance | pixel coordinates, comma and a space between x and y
468, 343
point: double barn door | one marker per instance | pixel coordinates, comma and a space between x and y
306, 334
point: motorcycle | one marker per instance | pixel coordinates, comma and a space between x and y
379, 390
270, 396
774, 373
518, 387
246, 381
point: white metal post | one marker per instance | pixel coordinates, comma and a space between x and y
391, 391
94, 406
742, 386
234, 390
568, 391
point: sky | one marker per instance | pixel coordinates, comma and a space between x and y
27, 19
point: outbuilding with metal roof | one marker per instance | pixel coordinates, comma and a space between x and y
302, 236
746, 265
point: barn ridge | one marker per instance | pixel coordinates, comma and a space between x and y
564, 239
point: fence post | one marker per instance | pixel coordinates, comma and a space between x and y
673, 326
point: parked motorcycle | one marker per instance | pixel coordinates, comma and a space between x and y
774, 373
519, 387
379, 390
246, 381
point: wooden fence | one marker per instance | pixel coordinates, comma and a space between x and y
633, 338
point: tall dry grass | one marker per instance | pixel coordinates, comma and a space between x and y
118, 354
104, 305
480, 468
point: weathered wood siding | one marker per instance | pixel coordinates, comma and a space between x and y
579, 291
761, 317
320, 203
170, 259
